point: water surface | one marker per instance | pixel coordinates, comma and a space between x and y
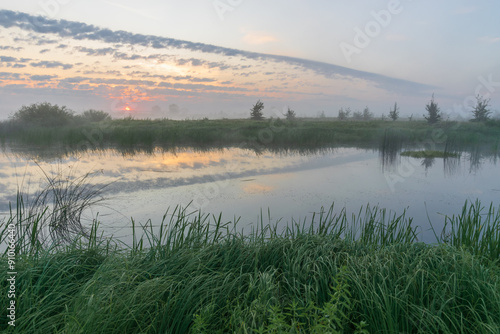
241, 183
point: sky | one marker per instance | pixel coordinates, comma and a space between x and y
216, 58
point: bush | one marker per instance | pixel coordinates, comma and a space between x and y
43, 114
95, 116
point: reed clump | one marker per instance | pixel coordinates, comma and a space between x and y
335, 273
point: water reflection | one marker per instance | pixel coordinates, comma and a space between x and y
457, 152
294, 183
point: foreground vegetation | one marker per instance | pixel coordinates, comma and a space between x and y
365, 273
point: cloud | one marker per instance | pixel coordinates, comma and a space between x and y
10, 48
42, 77
82, 31
52, 64
95, 52
8, 75
5, 59
13, 61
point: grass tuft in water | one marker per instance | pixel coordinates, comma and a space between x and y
430, 154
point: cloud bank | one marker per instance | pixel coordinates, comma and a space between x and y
83, 31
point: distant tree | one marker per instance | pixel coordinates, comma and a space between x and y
434, 114
344, 114
357, 115
481, 112
95, 115
43, 114
321, 114
290, 114
367, 115
256, 111
394, 113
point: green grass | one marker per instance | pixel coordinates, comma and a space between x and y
429, 154
271, 134
335, 273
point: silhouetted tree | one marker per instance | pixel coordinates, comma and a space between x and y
357, 115
481, 111
367, 115
290, 114
256, 111
394, 113
344, 114
434, 114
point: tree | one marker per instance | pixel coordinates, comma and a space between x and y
256, 111
367, 115
357, 115
344, 114
290, 114
394, 113
481, 112
43, 114
433, 112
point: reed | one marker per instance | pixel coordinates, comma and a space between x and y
256, 135
335, 272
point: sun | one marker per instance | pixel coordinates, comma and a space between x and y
127, 108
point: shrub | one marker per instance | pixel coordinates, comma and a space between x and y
95, 116
43, 114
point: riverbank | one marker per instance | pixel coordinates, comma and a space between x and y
244, 133
337, 273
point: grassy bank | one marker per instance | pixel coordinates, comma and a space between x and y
256, 135
336, 273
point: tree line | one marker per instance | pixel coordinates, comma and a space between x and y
481, 112
46, 114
